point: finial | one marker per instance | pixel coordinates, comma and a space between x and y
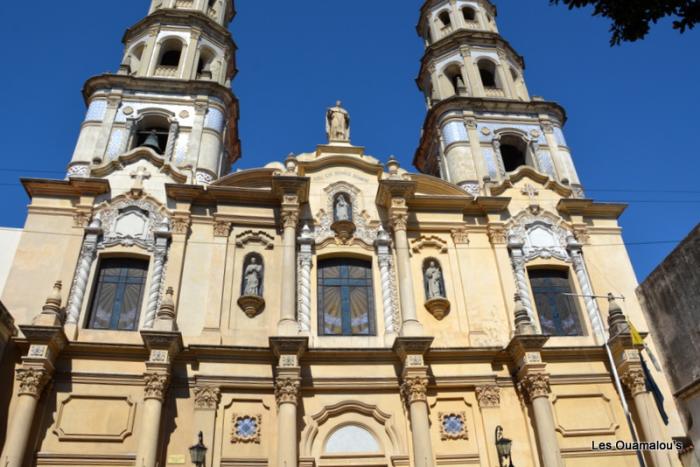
53, 301
617, 322
51, 313
291, 163
306, 231
523, 323
393, 166
165, 318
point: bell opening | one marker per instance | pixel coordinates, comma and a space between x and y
154, 138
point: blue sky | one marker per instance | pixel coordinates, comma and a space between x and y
632, 109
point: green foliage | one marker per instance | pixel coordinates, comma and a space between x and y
631, 19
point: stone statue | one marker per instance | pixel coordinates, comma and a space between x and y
433, 281
338, 124
503, 446
252, 278
342, 209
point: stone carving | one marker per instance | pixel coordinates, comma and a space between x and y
357, 225
32, 381
584, 281
253, 278
488, 396
534, 385
460, 236
453, 426
338, 124
156, 385
78, 170
342, 211
415, 389
497, 234
385, 267
250, 236
433, 241
287, 390
222, 229
541, 235
205, 178
290, 218
128, 222
162, 237
434, 284
305, 261
635, 381
180, 225
139, 176
206, 397
246, 428
88, 253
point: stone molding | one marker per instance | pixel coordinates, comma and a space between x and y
206, 397
156, 385
32, 381
489, 397
415, 389
287, 390
535, 385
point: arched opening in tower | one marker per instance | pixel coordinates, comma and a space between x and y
513, 152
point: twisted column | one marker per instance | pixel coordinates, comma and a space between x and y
305, 261
162, 236
585, 283
383, 244
88, 253
517, 257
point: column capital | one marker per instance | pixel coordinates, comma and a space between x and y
497, 234
287, 389
222, 229
489, 397
32, 380
156, 385
206, 397
635, 380
534, 385
290, 218
415, 389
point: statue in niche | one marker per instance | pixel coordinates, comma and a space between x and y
342, 209
433, 281
252, 278
338, 124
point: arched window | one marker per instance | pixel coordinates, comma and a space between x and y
253, 276
468, 13
206, 57
169, 59
487, 71
118, 294
152, 132
345, 298
513, 152
433, 279
352, 439
444, 17
453, 73
135, 56
556, 308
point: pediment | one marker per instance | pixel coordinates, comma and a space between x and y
433, 186
529, 174
134, 156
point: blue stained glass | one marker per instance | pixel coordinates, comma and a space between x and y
246, 427
453, 424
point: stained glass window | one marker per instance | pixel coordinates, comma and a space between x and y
558, 312
118, 295
246, 427
345, 298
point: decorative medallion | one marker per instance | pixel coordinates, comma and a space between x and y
453, 426
246, 428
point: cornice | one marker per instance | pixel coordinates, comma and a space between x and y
185, 18
75, 186
479, 104
589, 208
345, 160
452, 42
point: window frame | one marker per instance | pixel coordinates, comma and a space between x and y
114, 318
574, 303
346, 313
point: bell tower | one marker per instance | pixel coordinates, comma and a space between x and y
482, 124
170, 99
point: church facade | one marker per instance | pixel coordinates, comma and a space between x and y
331, 308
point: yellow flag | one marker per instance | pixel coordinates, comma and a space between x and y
636, 337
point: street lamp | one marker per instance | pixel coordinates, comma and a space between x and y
198, 452
504, 447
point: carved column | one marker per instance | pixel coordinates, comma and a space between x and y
172, 138
206, 403
629, 367
288, 325
82, 271
410, 325
305, 260
46, 340
384, 258
518, 261
163, 347
287, 393
489, 398
161, 238
576, 253
533, 384
414, 390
